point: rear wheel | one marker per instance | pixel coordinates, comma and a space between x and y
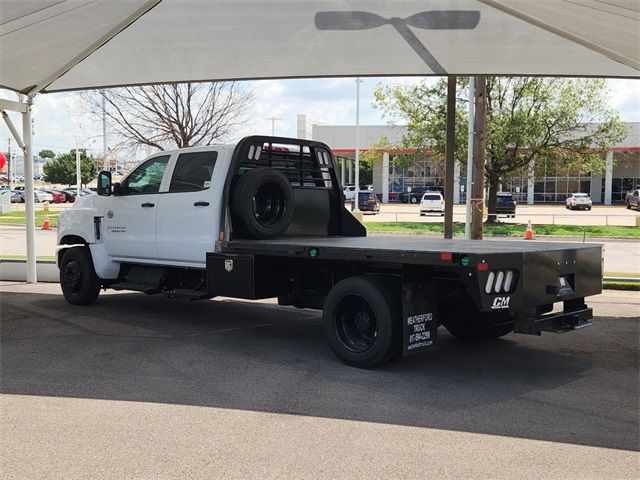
362, 321
78, 280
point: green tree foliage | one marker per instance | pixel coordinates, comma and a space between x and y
528, 119
62, 169
46, 153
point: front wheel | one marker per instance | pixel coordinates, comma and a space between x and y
78, 280
362, 321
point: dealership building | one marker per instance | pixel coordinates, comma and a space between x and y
541, 183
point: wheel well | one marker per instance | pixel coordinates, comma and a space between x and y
69, 240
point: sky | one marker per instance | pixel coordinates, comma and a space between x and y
58, 118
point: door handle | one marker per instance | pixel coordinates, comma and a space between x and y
201, 204
145, 205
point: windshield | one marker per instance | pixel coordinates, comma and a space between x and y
431, 197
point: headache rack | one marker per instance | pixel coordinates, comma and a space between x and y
305, 166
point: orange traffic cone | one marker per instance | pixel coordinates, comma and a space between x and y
46, 224
528, 235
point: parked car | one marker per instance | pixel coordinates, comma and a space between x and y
73, 192
432, 202
631, 200
42, 196
39, 196
579, 201
349, 192
416, 194
16, 197
58, 197
367, 202
505, 204
69, 196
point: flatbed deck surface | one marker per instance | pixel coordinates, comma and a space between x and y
388, 244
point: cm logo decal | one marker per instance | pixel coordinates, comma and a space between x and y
500, 302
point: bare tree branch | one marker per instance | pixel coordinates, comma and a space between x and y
172, 115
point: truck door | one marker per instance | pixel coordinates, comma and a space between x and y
130, 215
185, 228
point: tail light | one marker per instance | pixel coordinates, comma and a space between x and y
499, 281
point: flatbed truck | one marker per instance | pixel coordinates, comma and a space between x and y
265, 218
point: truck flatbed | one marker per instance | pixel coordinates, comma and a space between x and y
423, 250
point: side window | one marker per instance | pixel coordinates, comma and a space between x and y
146, 178
193, 171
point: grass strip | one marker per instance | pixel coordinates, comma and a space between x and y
630, 286
18, 218
509, 230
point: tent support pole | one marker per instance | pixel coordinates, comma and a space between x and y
12, 129
450, 154
30, 219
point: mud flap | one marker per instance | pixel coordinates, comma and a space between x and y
419, 312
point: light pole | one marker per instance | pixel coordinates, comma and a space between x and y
471, 129
78, 172
105, 162
357, 206
273, 124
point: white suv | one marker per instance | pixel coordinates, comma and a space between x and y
432, 202
579, 201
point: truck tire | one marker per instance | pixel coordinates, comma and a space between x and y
262, 203
78, 280
362, 321
413, 199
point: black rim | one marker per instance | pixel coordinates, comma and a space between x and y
269, 205
72, 277
356, 324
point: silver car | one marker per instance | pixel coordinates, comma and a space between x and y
579, 201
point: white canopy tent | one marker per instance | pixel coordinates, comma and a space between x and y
57, 45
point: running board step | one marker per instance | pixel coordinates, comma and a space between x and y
185, 292
153, 290
138, 287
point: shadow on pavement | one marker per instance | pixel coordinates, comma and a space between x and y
579, 388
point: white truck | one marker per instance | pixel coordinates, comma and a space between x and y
265, 218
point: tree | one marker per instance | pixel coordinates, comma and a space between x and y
528, 119
170, 116
47, 154
63, 168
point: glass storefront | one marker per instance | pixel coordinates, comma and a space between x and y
620, 187
557, 189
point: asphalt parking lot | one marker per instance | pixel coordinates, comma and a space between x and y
151, 387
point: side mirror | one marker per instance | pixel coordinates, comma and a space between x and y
104, 183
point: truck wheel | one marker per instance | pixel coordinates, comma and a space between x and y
628, 206
414, 200
362, 322
262, 203
79, 282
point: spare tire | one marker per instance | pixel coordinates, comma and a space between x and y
262, 204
